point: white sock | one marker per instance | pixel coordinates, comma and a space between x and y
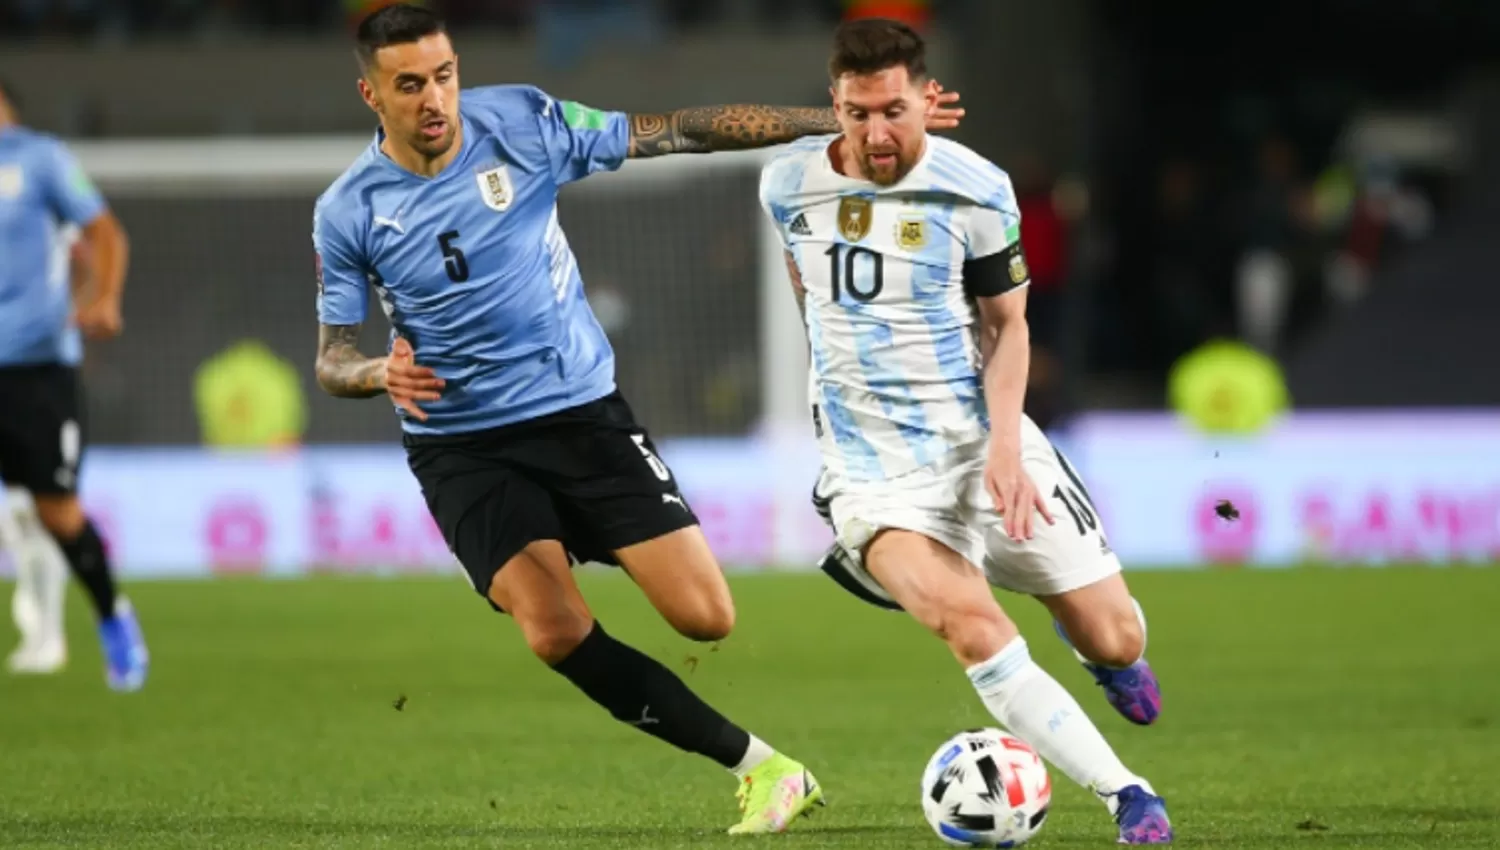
1036, 709
41, 569
1140, 615
52, 567
36, 552
757, 755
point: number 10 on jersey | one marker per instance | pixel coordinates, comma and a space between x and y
857, 270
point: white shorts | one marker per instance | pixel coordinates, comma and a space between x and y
948, 503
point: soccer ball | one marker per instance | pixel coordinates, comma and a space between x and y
984, 788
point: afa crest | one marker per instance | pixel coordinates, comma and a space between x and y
911, 232
495, 188
1018, 271
854, 217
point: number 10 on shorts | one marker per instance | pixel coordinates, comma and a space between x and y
651, 459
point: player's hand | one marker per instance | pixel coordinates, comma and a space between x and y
99, 319
1014, 493
944, 115
407, 383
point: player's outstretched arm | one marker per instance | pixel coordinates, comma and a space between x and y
342, 371
704, 129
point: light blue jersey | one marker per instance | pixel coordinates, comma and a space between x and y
43, 192
895, 378
471, 266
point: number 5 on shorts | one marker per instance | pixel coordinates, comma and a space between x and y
651, 460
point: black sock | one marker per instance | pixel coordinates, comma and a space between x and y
641, 692
85, 554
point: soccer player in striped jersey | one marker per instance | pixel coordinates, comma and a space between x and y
905, 257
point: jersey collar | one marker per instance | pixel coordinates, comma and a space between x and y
827, 165
465, 145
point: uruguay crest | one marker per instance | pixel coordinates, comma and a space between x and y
495, 187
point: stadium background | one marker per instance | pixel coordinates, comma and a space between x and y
1318, 181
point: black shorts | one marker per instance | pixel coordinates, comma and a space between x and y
41, 428
588, 476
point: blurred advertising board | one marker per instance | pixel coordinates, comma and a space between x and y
1357, 488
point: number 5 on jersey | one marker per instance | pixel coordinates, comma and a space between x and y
454, 262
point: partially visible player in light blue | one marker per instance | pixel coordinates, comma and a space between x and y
48, 294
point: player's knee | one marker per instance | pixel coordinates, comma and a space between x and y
60, 515
1116, 641
553, 639
707, 617
975, 633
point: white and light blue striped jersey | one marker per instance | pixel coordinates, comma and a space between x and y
471, 265
895, 380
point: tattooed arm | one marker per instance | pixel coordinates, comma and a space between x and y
704, 129
342, 371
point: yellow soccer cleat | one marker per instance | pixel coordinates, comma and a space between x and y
775, 794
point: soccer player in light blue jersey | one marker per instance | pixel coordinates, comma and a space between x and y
528, 456
44, 196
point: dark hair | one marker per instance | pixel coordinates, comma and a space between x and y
867, 45
401, 23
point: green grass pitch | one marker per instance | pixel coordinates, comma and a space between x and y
1309, 708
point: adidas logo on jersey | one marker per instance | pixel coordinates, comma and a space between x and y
799, 226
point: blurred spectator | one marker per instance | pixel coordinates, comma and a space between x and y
1277, 223
1186, 281
568, 29
1044, 238
1375, 210
914, 13
28, 16
356, 11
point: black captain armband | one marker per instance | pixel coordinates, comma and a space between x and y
997, 273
